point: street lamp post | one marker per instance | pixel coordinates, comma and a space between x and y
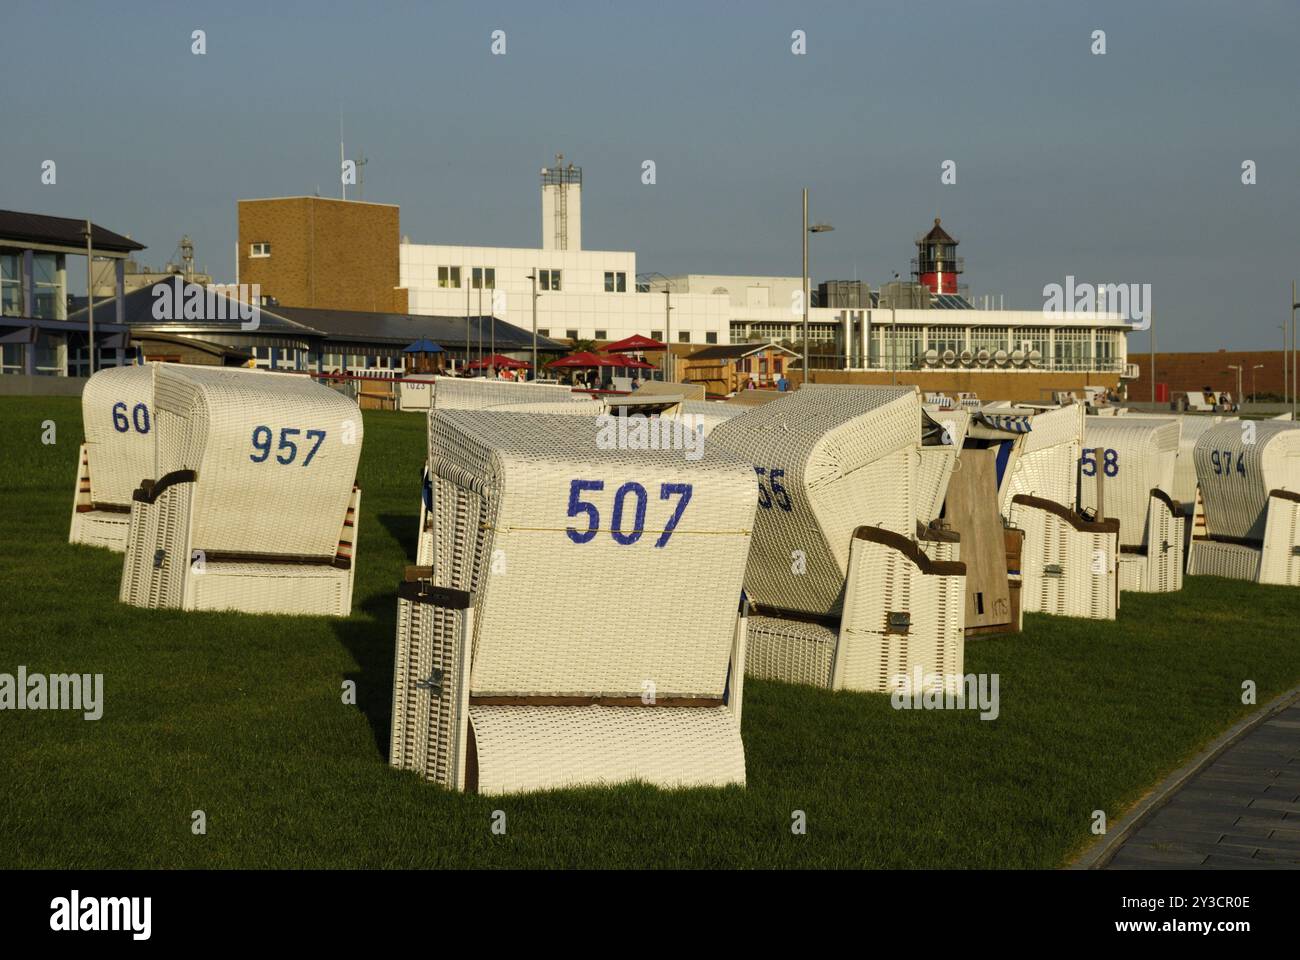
1294, 370
1253, 395
815, 228
669, 359
533, 277
1237, 367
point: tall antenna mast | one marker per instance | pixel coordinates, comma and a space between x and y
342, 181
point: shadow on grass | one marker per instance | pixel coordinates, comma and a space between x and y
368, 637
401, 527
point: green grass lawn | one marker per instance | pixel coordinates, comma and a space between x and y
242, 717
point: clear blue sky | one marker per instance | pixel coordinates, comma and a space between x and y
1117, 168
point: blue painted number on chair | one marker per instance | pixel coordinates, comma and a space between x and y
624, 532
286, 451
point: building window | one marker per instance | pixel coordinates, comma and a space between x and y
615, 282
259, 250
11, 285
600, 335
1028, 339
12, 358
1072, 350
48, 300
900, 347
711, 337
548, 279
991, 339
571, 334
1108, 349
543, 331
657, 335
51, 355
943, 339
683, 336
484, 278
449, 277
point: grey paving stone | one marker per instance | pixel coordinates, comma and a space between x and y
1219, 862
1154, 858
1153, 831
1204, 847
1282, 805
1261, 819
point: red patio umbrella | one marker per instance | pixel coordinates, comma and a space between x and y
638, 365
633, 343
581, 359
499, 362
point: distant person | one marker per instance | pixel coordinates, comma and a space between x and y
782, 384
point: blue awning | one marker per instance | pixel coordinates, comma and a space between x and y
423, 345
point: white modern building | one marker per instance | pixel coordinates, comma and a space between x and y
594, 294
581, 294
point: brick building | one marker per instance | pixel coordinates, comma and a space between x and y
1194, 371
317, 252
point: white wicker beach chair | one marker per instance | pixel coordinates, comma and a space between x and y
1069, 564
709, 413
1249, 474
1138, 464
479, 393
844, 597
580, 621
116, 455
253, 504
473, 393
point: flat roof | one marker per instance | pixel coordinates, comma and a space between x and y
369, 203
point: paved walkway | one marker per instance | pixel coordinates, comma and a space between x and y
1240, 812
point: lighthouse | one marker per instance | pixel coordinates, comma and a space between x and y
936, 264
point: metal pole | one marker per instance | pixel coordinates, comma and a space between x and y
669, 370
492, 351
893, 347
1152, 314
1294, 370
805, 286
534, 279
465, 363
90, 297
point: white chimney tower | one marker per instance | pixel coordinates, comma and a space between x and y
561, 206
